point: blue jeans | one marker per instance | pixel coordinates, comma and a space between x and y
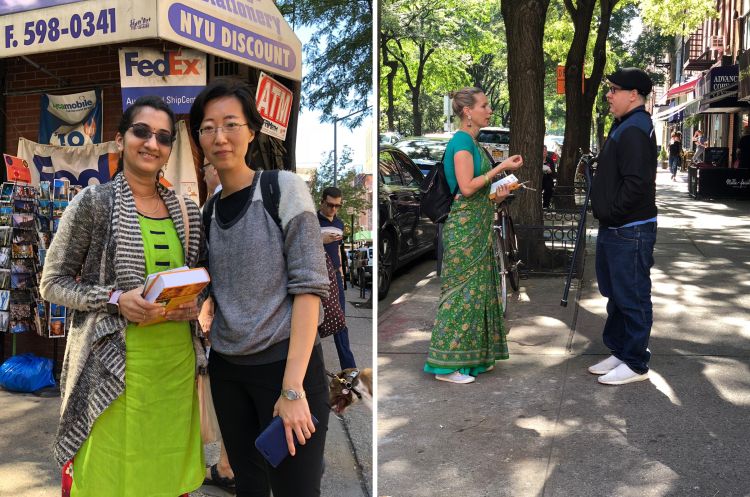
624, 257
674, 165
341, 339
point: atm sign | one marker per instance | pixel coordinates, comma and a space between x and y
274, 102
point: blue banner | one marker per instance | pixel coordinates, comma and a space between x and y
71, 120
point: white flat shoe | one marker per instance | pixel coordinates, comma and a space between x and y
605, 366
455, 377
621, 375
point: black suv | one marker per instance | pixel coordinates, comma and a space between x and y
404, 233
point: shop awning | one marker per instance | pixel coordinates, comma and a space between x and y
250, 32
685, 107
680, 89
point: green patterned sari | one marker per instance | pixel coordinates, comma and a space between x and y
468, 335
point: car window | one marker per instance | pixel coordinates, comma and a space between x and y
497, 137
412, 175
389, 173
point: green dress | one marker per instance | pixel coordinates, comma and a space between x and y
147, 442
469, 335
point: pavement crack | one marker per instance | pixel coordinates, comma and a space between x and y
475, 425
360, 469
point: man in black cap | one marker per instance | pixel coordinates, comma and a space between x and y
624, 201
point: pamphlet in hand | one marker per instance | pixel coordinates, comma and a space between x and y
174, 287
332, 230
509, 180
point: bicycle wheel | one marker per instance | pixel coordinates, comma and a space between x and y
498, 246
511, 251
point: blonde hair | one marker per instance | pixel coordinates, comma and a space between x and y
465, 97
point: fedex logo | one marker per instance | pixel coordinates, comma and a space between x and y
173, 64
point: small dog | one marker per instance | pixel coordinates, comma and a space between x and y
349, 386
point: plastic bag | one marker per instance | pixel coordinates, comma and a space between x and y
26, 373
209, 424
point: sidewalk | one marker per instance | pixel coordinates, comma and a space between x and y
541, 426
28, 425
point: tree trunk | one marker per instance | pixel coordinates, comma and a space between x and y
579, 104
393, 66
524, 26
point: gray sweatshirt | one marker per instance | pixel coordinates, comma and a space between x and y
256, 270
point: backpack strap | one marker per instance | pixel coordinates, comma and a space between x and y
269, 189
208, 211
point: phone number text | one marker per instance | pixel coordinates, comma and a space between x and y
51, 30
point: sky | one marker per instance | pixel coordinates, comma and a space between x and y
315, 139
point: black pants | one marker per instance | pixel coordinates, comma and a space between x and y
548, 189
244, 397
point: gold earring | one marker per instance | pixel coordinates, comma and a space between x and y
470, 120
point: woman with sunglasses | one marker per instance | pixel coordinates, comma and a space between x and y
267, 278
129, 420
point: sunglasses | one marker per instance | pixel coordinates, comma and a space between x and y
333, 206
143, 132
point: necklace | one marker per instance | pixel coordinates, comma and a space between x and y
151, 212
146, 196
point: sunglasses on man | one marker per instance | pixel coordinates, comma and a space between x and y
143, 132
333, 206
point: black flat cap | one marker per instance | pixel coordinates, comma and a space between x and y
632, 78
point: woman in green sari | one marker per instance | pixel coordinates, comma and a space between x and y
469, 335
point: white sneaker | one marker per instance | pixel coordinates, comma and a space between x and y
455, 377
605, 366
621, 375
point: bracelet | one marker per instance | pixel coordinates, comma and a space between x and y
486, 180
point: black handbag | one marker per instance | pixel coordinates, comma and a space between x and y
333, 317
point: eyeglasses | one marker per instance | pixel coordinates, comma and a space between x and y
333, 206
614, 89
143, 132
228, 128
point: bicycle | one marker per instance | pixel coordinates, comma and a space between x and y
505, 248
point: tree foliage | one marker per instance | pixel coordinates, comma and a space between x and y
354, 193
677, 18
339, 55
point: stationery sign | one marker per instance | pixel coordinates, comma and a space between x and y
177, 76
274, 102
71, 120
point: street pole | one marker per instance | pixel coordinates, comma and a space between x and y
335, 147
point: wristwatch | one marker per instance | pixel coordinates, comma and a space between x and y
292, 394
113, 305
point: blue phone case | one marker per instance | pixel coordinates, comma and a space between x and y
271, 443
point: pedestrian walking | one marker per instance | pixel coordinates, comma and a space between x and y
624, 201
129, 420
675, 154
548, 179
268, 273
699, 142
469, 334
330, 204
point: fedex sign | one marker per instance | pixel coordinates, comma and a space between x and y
274, 102
177, 76
172, 64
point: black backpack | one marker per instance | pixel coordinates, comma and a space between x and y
437, 198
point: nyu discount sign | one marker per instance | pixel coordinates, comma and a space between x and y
176, 76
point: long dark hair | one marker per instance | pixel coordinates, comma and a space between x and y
225, 88
127, 117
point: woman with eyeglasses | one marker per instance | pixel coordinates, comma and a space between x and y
267, 278
129, 419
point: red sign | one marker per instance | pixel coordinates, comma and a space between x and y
17, 169
274, 102
560, 80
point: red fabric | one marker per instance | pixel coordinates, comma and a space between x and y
67, 478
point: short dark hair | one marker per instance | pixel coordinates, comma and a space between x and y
224, 87
331, 191
128, 115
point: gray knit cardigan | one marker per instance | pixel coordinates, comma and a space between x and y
99, 238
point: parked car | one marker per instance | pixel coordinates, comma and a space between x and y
360, 271
404, 233
496, 141
388, 138
424, 151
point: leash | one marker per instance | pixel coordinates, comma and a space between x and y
348, 382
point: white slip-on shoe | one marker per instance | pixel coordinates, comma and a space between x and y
455, 377
605, 366
621, 375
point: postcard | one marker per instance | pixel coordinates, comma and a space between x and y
24, 192
5, 279
20, 325
20, 310
61, 189
42, 253
6, 192
23, 206
45, 237
4, 257
23, 221
4, 299
24, 236
22, 281
4, 318
22, 250
6, 233
25, 266
75, 190
44, 204
56, 327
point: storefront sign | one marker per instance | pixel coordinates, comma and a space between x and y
744, 64
274, 102
719, 182
72, 120
249, 32
719, 90
177, 76
17, 169
77, 25
85, 165
11, 6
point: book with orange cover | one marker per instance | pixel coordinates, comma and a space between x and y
174, 287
